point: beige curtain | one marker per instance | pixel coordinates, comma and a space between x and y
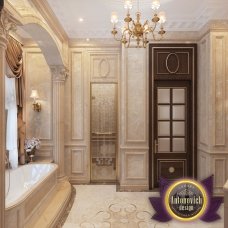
14, 58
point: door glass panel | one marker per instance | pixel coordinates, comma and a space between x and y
163, 128
163, 96
164, 145
163, 112
103, 131
178, 145
179, 128
178, 95
179, 112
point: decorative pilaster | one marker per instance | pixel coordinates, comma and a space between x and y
7, 23
59, 74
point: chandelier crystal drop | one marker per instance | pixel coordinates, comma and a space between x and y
135, 30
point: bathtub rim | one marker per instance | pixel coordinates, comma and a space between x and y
28, 193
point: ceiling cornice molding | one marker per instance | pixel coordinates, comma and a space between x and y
174, 36
47, 13
96, 42
183, 36
10, 8
213, 26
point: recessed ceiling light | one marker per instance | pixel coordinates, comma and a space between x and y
88, 39
80, 19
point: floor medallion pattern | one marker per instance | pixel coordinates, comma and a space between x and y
100, 206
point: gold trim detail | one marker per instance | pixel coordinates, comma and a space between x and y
178, 63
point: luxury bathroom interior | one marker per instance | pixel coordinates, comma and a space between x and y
92, 117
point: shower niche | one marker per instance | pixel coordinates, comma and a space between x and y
103, 142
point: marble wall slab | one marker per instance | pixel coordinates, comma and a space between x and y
134, 144
39, 124
213, 108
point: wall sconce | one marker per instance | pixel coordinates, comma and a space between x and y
36, 105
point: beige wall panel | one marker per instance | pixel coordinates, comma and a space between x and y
77, 161
212, 108
219, 169
39, 124
136, 165
46, 151
77, 119
77, 164
135, 96
38, 76
203, 90
219, 88
77, 125
134, 120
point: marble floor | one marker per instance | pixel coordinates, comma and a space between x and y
101, 206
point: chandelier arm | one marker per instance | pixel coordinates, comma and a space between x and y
128, 25
148, 30
154, 36
146, 23
155, 26
145, 41
126, 30
117, 39
157, 39
129, 40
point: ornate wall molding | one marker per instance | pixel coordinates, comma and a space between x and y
7, 24
59, 73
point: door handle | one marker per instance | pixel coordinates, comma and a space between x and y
155, 146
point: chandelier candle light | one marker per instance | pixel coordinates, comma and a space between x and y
134, 29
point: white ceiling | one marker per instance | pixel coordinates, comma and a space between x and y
182, 15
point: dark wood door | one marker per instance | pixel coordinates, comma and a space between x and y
172, 112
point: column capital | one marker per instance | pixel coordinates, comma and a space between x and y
59, 73
7, 24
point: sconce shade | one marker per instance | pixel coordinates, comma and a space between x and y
34, 94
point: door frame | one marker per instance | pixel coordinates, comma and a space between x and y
151, 105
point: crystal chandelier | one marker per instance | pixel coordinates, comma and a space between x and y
135, 30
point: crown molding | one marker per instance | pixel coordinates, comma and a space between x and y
47, 13
174, 36
95, 42
213, 26
10, 8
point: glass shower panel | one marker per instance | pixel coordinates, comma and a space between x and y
103, 132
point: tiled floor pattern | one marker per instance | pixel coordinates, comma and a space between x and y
100, 206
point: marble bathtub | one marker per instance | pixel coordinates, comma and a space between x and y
31, 188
